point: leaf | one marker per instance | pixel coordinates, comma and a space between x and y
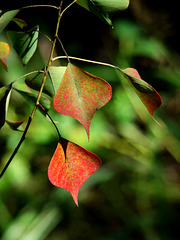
44, 101
112, 5
14, 125
6, 17
4, 93
148, 95
4, 53
21, 23
25, 44
72, 171
101, 8
53, 80
56, 74
81, 94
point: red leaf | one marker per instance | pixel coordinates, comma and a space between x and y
81, 94
70, 166
148, 95
4, 52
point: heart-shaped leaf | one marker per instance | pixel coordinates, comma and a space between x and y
4, 53
101, 8
6, 17
81, 94
70, 167
145, 91
25, 44
4, 93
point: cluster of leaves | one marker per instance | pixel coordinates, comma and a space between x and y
73, 92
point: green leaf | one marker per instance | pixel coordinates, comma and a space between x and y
81, 94
25, 44
44, 101
111, 5
148, 95
4, 53
21, 23
56, 74
101, 8
4, 93
53, 80
14, 125
6, 17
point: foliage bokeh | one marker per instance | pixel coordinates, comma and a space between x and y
135, 194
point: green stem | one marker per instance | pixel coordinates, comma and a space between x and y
59, 135
39, 95
86, 60
27, 74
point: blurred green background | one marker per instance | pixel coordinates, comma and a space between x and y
135, 195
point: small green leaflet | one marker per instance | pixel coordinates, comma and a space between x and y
4, 94
25, 44
6, 17
101, 8
15, 125
44, 101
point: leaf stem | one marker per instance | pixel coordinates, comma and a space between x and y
44, 5
86, 60
27, 74
59, 135
68, 7
40, 92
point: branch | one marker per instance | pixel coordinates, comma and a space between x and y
39, 95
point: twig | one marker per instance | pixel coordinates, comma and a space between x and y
27, 74
39, 95
86, 60
59, 135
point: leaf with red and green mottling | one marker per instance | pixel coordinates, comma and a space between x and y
4, 53
70, 167
81, 94
4, 97
148, 95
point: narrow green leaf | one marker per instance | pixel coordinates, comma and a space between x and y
101, 8
112, 5
25, 44
21, 23
6, 17
14, 125
91, 7
32, 97
4, 93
